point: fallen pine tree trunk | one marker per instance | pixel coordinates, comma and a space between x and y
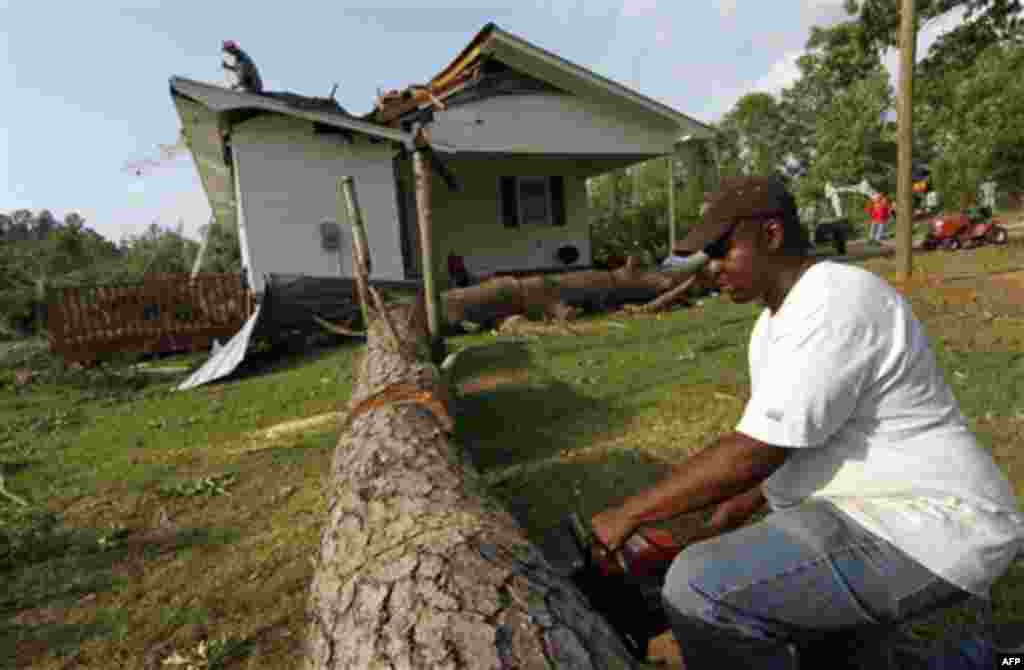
418, 566
549, 295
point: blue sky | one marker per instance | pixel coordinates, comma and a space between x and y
85, 85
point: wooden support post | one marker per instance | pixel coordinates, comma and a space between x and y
905, 119
360, 247
421, 169
40, 305
614, 195
635, 172
671, 203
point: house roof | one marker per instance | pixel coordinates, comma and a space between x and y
319, 110
207, 110
514, 51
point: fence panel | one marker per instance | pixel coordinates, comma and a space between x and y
161, 314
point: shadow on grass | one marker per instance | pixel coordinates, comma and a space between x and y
58, 569
522, 421
495, 357
540, 497
284, 358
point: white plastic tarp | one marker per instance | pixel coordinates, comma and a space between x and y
224, 360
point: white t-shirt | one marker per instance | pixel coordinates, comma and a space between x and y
844, 374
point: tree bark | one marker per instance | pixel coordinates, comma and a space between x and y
419, 567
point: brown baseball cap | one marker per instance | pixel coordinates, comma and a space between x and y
739, 198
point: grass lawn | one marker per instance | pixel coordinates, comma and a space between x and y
169, 523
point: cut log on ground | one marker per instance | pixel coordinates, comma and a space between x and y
537, 296
671, 297
419, 567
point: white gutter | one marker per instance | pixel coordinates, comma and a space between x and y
243, 237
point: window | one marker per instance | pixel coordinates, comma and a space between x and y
532, 201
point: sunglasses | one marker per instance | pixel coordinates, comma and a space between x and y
720, 247
717, 250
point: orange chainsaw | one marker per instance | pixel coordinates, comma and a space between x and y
623, 585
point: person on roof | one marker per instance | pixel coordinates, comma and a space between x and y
882, 506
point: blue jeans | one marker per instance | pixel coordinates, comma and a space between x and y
805, 587
877, 231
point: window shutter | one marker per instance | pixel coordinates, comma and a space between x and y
558, 200
509, 202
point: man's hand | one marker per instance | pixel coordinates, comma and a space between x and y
731, 467
612, 527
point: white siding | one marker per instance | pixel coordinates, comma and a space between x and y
544, 123
469, 222
288, 180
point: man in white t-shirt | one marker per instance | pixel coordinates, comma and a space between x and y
883, 505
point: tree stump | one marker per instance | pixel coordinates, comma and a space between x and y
419, 567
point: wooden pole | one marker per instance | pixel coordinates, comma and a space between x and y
636, 183
421, 169
40, 305
614, 194
360, 247
905, 203
671, 203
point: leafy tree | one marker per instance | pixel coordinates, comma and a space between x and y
880, 21
837, 59
754, 131
851, 136
40, 251
979, 131
158, 250
223, 252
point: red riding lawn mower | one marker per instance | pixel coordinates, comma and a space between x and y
963, 230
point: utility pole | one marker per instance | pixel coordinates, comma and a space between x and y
905, 124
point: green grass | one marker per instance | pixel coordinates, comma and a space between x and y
162, 521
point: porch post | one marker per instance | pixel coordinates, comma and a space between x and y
360, 247
671, 203
421, 168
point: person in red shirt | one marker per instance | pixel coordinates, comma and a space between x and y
880, 210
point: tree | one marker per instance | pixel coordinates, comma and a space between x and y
849, 135
979, 132
836, 59
20, 228
754, 128
880, 20
223, 253
43, 224
158, 250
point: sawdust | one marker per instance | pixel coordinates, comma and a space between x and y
286, 428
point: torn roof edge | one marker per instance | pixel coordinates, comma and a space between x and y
219, 99
488, 42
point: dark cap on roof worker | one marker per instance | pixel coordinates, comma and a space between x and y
882, 506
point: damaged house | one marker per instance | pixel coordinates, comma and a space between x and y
521, 128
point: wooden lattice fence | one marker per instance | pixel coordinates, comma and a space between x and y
161, 314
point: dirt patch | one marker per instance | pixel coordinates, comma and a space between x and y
1013, 280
